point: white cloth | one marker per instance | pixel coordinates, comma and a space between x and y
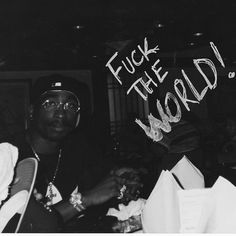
170, 209
219, 209
8, 159
189, 176
191, 205
134, 208
161, 211
14, 205
211, 210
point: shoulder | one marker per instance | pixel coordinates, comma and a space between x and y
19, 141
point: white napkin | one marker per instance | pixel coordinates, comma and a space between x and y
134, 208
219, 211
8, 158
161, 211
211, 210
189, 176
170, 209
191, 205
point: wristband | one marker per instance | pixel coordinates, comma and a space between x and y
76, 201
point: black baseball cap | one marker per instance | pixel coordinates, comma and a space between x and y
58, 82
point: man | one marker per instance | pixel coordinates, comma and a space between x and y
66, 185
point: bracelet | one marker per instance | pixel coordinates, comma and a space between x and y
76, 201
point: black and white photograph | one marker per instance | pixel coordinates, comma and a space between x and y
118, 116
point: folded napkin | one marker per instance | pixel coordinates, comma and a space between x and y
191, 205
219, 209
8, 159
195, 209
161, 211
189, 176
211, 210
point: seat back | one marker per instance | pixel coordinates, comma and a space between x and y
25, 175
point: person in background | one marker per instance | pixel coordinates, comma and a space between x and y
185, 138
69, 181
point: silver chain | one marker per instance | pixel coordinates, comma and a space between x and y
50, 184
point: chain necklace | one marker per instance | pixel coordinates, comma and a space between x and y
51, 195
50, 184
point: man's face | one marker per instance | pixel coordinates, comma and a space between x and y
56, 114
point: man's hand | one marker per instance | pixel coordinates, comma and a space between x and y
112, 185
132, 182
104, 191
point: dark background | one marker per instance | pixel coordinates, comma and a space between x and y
62, 35
74, 34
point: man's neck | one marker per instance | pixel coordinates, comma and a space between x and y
42, 145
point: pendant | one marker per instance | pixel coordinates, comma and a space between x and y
53, 196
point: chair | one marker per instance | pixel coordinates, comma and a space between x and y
20, 193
